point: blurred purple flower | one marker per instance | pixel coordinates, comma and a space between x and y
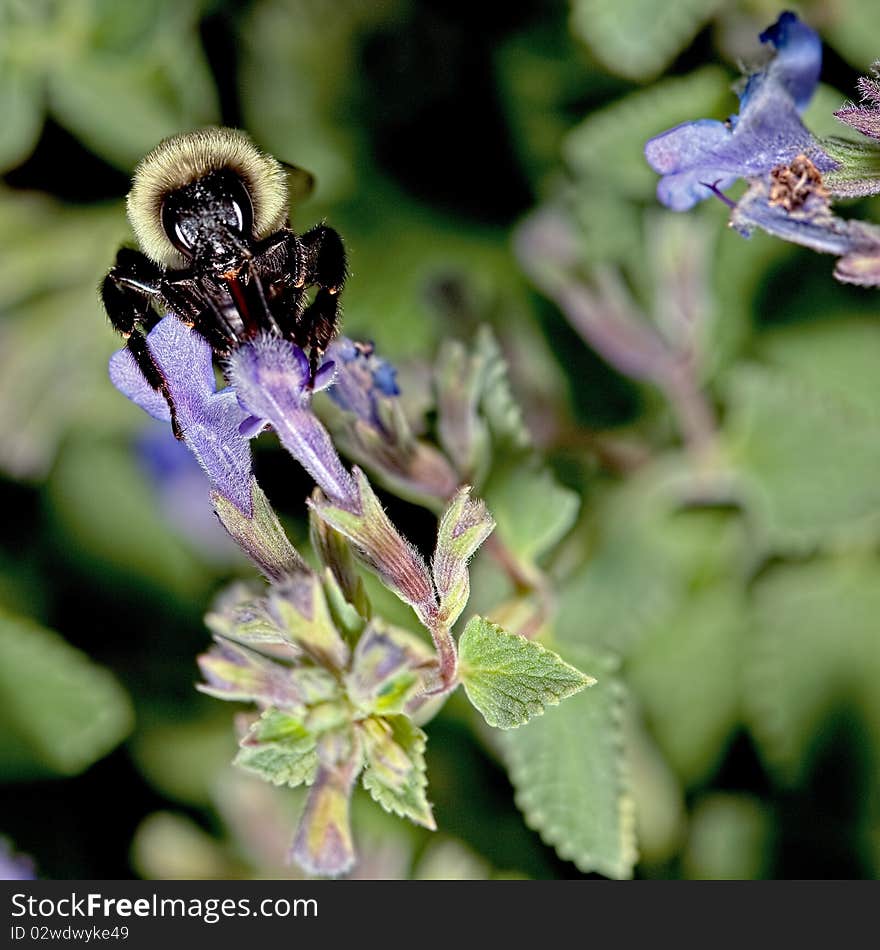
701, 158
210, 422
13, 866
362, 380
179, 484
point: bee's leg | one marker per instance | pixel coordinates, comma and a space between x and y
127, 292
323, 262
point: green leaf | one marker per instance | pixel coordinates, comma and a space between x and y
648, 550
638, 38
807, 455
608, 146
569, 774
532, 510
61, 711
21, 106
279, 749
686, 675
511, 679
730, 839
395, 772
814, 654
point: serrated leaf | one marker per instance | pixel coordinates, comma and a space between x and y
814, 652
638, 38
569, 774
608, 146
61, 711
279, 749
395, 771
532, 510
510, 679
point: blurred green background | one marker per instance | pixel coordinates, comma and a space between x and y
743, 619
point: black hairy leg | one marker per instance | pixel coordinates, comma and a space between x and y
323, 266
127, 293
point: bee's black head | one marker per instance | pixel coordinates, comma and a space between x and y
210, 219
204, 196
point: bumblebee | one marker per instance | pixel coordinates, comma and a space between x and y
210, 213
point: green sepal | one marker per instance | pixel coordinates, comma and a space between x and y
465, 525
395, 561
259, 534
395, 771
387, 669
510, 679
300, 606
349, 621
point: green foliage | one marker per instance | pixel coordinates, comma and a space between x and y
637, 38
533, 511
813, 650
61, 711
511, 679
567, 768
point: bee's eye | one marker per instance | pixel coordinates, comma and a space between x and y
202, 212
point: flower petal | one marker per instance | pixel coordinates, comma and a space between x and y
129, 380
699, 157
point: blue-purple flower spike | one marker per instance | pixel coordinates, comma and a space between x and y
209, 421
698, 159
362, 379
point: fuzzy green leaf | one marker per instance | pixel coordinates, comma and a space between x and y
61, 711
638, 38
532, 510
789, 430
569, 774
814, 654
395, 772
511, 679
279, 749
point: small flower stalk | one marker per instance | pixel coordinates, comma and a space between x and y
336, 691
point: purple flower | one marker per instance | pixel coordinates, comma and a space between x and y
700, 158
179, 484
362, 380
210, 422
274, 385
13, 866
